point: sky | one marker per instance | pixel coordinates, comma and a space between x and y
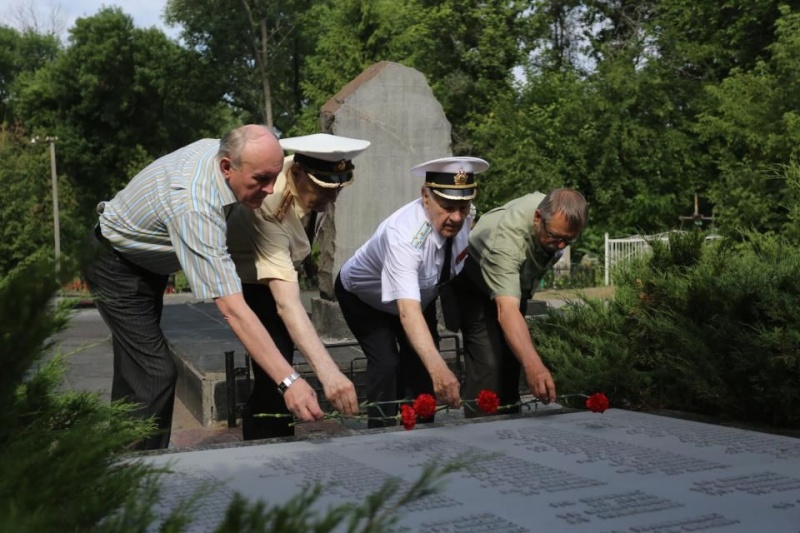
145, 13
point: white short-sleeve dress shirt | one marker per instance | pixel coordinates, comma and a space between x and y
402, 259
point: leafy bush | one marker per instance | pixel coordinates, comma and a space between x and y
706, 328
179, 282
577, 277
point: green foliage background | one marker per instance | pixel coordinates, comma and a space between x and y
637, 104
710, 328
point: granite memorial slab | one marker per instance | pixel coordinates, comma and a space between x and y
620, 471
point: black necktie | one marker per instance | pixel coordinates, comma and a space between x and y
447, 297
444, 276
311, 227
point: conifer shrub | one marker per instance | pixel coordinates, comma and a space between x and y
65, 460
58, 451
704, 327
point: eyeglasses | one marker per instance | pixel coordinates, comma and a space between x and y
558, 238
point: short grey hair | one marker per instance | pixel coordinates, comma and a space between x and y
232, 143
568, 202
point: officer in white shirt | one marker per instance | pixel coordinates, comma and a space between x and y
387, 290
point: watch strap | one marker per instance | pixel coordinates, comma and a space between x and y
287, 381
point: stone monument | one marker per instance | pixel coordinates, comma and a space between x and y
393, 107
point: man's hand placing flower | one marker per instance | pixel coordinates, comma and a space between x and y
425, 407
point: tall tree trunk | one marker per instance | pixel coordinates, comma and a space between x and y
264, 78
260, 54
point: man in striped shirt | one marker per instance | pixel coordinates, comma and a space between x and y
172, 216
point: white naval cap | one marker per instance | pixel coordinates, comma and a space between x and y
327, 159
452, 177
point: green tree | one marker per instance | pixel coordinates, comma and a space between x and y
26, 218
617, 132
752, 126
117, 98
610, 104
694, 327
257, 50
21, 54
351, 36
477, 45
467, 49
707, 40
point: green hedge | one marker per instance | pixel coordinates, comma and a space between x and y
708, 328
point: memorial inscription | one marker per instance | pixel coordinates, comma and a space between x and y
577, 472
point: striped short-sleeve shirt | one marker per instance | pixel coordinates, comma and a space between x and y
171, 216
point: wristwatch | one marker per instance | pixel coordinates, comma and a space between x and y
287, 381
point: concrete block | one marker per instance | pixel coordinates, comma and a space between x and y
328, 320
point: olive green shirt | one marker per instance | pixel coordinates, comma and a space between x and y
503, 245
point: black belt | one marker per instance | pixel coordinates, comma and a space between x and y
102, 240
105, 243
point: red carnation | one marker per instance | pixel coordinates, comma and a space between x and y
408, 416
597, 402
488, 402
425, 406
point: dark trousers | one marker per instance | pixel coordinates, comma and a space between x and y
130, 299
394, 370
265, 397
489, 363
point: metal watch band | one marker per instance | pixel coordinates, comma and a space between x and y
287, 381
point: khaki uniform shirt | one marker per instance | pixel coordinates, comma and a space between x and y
503, 245
270, 242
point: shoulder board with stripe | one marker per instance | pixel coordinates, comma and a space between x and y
422, 234
286, 203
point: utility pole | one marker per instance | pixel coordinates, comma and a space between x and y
54, 183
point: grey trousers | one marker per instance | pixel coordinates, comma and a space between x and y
130, 299
489, 363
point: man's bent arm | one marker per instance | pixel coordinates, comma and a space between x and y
445, 383
300, 398
339, 390
518, 337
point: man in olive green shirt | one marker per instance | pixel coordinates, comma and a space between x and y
510, 249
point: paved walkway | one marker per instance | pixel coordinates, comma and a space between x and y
87, 344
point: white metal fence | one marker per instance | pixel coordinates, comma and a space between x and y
617, 250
